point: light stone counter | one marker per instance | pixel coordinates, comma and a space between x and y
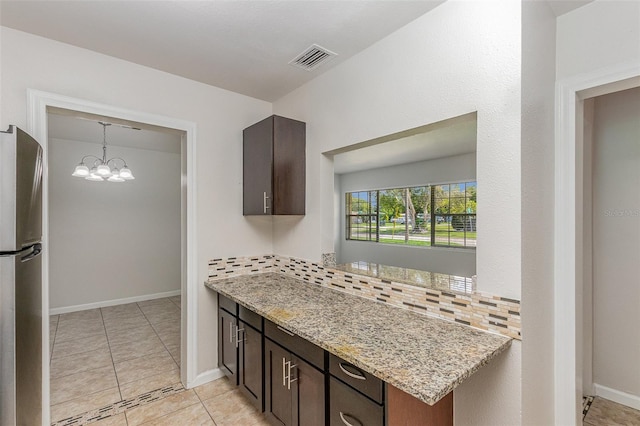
423, 356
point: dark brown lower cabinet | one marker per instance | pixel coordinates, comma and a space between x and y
309, 395
349, 407
250, 364
227, 345
294, 389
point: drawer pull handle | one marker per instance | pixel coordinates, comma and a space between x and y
286, 373
238, 331
285, 331
347, 423
357, 375
264, 205
289, 379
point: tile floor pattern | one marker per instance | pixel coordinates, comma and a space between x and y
603, 412
120, 366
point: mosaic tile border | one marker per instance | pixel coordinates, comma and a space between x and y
480, 310
586, 405
120, 406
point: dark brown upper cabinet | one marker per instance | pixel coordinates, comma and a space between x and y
274, 167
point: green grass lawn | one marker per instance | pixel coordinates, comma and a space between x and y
443, 231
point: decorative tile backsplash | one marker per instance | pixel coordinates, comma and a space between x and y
484, 311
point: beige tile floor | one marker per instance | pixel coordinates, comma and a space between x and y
103, 356
608, 413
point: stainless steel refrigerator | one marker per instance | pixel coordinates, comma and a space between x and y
20, 279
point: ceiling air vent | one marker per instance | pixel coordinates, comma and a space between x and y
312, 57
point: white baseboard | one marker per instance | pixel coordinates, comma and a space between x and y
75, 308
205, 377
620, 397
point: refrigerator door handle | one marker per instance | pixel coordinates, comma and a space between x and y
36, 249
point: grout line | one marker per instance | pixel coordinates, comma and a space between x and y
71, 400
120, 407
153, 421
72, 372
179, 305
586, 405
205, 408
115, 373
162, 341
55, 331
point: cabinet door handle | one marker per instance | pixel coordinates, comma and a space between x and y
357, 375
284, 372
265, 206
289, 375
238, 331
230, 332
353, 419
285, 330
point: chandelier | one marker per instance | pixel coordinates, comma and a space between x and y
102, 169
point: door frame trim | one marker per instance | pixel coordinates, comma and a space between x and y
37, 104
568, 289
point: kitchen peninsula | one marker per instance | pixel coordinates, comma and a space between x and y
416, 356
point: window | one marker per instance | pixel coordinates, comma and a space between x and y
441, 215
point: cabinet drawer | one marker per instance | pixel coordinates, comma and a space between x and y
250, 317
228, 304
349, 407
294, 343
356, 378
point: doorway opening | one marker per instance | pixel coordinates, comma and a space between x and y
39, 105
611, 243
569, 224
114, 261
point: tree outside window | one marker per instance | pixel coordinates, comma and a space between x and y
441, 215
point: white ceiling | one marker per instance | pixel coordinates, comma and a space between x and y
242, 46
85, 128
443, 139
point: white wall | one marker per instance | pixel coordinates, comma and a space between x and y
34, 62
459, 58
469, 61
452, 261
616, 241
596, 38
111, 241
598, 35
538, 82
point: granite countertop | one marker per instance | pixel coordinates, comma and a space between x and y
425, 279
425, 357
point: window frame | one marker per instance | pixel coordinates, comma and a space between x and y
373, 215
370, 215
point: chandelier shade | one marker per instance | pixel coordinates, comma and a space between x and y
100, 169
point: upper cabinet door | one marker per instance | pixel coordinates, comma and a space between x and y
274, 167
257, 156
289, 162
